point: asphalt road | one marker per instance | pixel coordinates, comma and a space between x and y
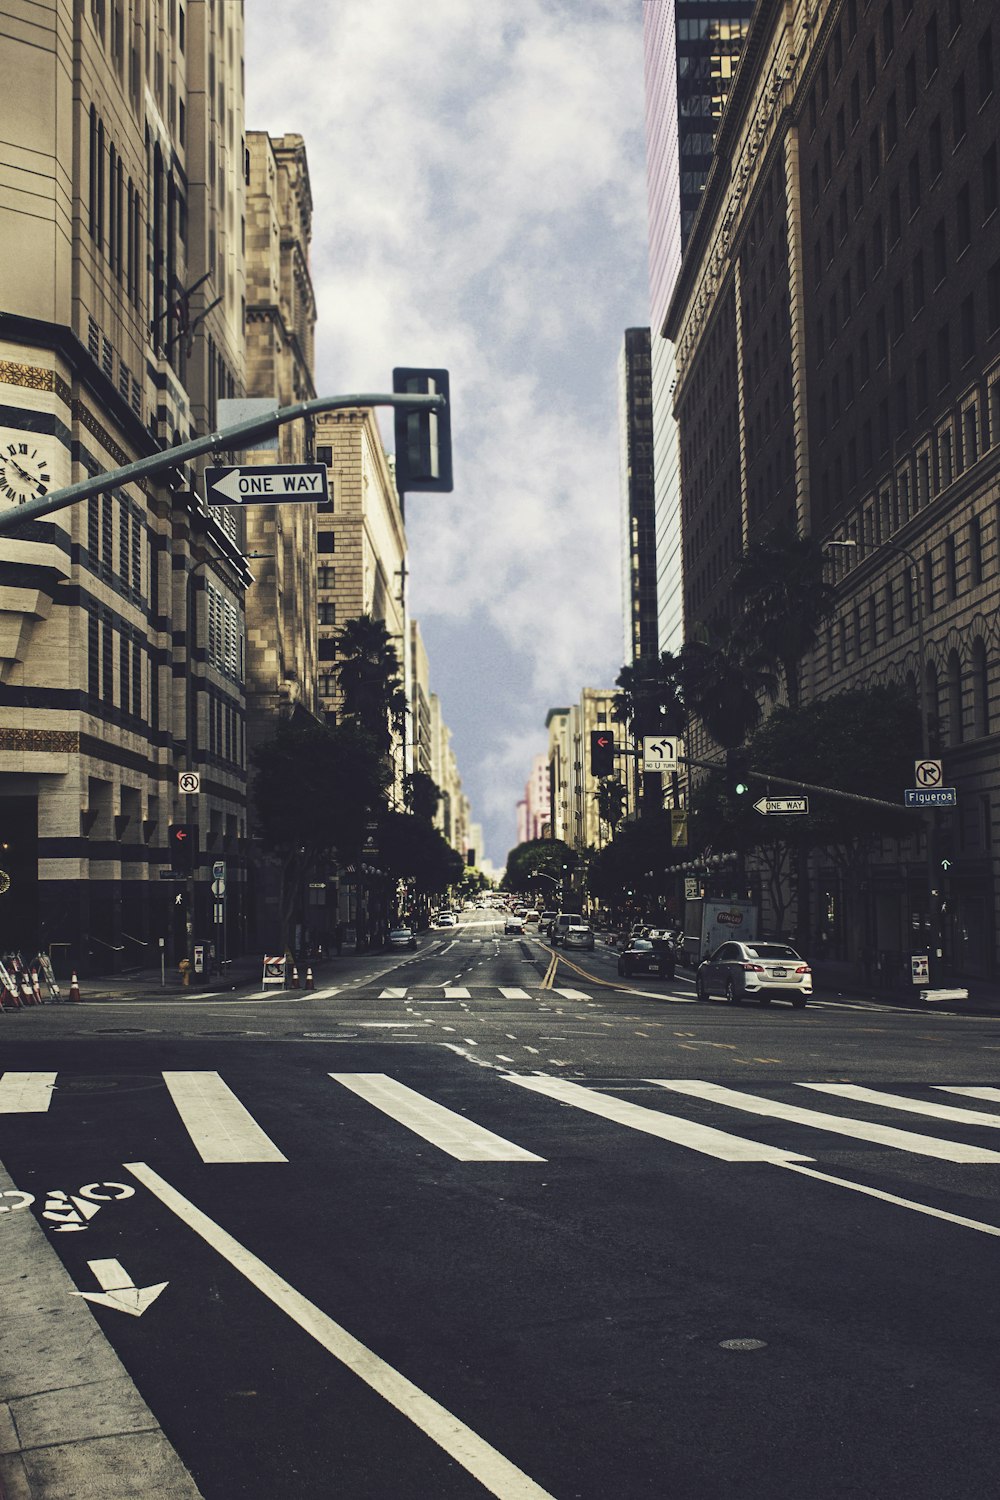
456, 1225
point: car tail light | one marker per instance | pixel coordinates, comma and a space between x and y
803, 969
753, 968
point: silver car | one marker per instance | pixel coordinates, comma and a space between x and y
580, 935
759, 971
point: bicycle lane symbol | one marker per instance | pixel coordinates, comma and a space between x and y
68, 1213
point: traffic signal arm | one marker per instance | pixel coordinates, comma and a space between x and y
802, 786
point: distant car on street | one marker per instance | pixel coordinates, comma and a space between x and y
579, 935
514, 924
402, 937
755, 971
446, 919
531, 915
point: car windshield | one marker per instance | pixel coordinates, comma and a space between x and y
401, 932
640, 944
770, 950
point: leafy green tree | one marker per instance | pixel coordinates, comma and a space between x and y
550, 859
411, 847
610, 801
785, 597
313, 788
421, 794
371, 688
722, 685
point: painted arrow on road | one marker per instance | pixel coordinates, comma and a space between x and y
119, 1290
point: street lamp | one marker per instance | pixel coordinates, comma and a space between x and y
925, 746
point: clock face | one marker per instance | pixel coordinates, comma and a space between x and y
24, 469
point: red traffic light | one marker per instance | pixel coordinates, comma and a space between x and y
602, 753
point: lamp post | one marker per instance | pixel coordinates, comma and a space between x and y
933, 894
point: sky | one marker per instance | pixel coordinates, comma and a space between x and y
479, 204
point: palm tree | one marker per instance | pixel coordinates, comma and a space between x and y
371, 688
785, 599
722, 686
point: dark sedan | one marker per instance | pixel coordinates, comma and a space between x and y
640, 956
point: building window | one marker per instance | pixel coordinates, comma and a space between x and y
327, 648
980, 689
991, 190
954, 699
967, 328
931, 51
951, 569
327, 612
935, 147
985, 60
910, 85
963, 218
325, 542
976, 551
326, 577
959, 122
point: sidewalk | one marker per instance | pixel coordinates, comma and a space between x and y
244, 973
842, 979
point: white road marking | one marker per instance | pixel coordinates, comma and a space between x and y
393, 994
219, 1126
859, 1130
445, 1129
535, 1050
497, 1474
971, 1093
502, 1058
912, 1106
457, 994
26, 1093
704, 1138
470, 1042
571, 994
870, 1192
514, 994
326, 994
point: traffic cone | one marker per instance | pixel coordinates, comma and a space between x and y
295, 978
35, 988
309, 979
74, 987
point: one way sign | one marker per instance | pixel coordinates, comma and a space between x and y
272, 485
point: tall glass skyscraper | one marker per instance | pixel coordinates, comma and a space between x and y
691, 48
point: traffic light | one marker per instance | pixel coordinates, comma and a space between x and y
602, 753
183, 841
423, 438
737, 772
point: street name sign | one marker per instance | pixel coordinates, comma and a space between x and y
273, 485
933, 796
660, 752
782, 805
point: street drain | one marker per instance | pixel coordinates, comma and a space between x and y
743, 1344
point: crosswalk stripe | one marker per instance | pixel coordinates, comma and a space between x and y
220, 1128
393, 995
704, 1138
970, 1093
25, 1093
451, 1132
514, 994
456, 994
571, 994
883, 1135
911, 1106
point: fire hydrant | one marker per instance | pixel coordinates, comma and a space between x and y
185, 968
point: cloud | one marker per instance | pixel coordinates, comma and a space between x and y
479, 203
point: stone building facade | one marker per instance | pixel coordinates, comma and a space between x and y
837, 325
120, 326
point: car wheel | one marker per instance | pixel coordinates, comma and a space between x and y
731, 995
799, 1002
763, 999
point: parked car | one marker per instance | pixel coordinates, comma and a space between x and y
402, 937
743, 971
640, 957
514, 923
578, 935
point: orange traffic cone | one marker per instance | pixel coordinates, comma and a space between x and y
295, 978
309, 980
74, 987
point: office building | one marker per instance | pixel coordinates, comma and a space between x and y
638, 508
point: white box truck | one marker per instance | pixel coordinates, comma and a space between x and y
710, 922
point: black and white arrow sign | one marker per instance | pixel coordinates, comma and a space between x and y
273, 485
118, 1290
782, 805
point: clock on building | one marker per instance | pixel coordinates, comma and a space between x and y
25, 469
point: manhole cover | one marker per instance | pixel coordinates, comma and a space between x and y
743, 1344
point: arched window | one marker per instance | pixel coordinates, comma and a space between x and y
980, 689
954, 699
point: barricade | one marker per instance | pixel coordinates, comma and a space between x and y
27, 997
36, 988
